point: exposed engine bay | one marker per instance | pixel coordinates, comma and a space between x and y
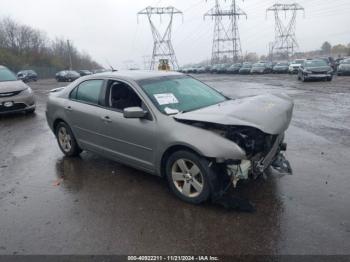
263, 151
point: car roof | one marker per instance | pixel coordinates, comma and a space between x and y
1, 67
137, 75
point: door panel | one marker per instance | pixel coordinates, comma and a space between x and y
86, 124
130, 140
84, 112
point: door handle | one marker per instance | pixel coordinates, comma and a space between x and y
69, 108
106, 119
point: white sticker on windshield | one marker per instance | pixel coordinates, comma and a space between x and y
166, 99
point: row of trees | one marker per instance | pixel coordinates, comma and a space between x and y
22, 47
336, 50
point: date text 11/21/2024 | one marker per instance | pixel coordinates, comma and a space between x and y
173, 258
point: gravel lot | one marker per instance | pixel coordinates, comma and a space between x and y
89, 205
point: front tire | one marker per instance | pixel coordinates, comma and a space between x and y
189, 176
66, 140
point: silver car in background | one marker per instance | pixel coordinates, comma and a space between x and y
172, 125
15, 96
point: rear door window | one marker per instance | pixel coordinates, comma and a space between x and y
88, 92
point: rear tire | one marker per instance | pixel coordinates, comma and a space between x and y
66, 140
189, 176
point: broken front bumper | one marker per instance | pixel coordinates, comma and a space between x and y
274, 161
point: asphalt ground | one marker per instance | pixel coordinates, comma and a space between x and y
50, 204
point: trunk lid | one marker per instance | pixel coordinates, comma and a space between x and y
269, 113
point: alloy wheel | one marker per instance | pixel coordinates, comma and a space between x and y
64, 139
187, 178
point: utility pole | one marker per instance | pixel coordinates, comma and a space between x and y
285, 42
226, 42
69, 55
162, 46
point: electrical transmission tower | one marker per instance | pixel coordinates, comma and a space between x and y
162, 48
285, 42
226, 43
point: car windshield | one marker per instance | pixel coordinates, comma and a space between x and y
7, 75
282, 64
298, 61
247, 66
315, 63
172, 95
347, 61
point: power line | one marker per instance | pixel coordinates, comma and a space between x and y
285, 42
162, 46
226, 41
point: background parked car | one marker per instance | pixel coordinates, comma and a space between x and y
84, 72
67, 76
234, 69
214, 68
294, 66
222, 69
201, 70
344, 68
15, 96
281, 68
245, 69
27, 75
317, 69
260, 68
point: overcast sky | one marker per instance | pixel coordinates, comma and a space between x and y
108, 29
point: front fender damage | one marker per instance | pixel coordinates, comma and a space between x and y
263, 156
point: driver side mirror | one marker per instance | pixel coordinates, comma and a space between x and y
134, 112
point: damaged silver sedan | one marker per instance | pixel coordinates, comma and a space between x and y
175, 126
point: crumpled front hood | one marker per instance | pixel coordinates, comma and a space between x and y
269, 113
12, 86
